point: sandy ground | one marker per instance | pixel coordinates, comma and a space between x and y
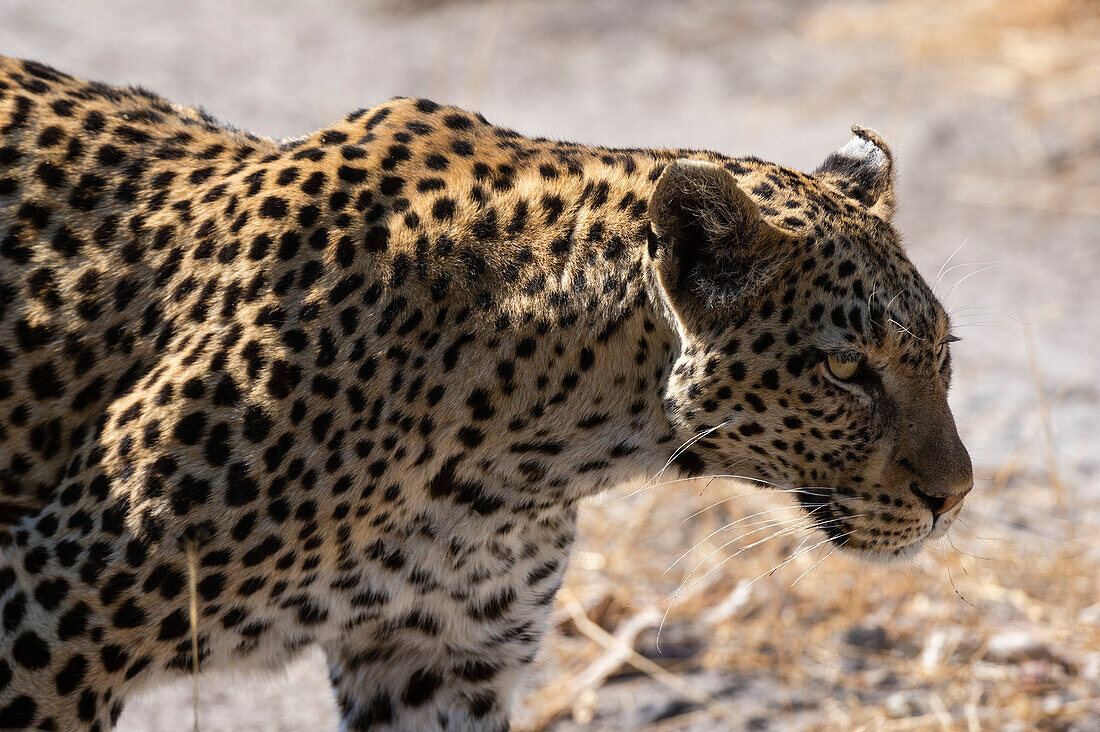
986, 164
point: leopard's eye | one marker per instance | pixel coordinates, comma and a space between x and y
843, 369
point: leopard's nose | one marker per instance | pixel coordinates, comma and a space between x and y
946, 474
940, 503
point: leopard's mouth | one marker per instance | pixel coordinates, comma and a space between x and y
943, 522
844, 530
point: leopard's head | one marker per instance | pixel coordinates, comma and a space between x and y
813, 356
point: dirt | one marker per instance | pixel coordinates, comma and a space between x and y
992, 163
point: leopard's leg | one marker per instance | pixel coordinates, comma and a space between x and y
387, 687
448, 644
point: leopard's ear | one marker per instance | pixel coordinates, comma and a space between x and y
709, 244
864, 170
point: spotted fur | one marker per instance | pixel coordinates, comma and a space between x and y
369, 374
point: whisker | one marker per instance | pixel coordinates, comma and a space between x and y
769, 484
783, 531
951, 541
727, 499
726, 528
964, 308
951, 579
775, 487
947, 261
971, 274
676, 453
726, 476
969, 264
961, 552
983, 539
902, 328
791, 558
814, 566
813, 525
802, 543
804, 552
684, 587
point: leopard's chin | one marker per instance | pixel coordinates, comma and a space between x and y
885, 555
872, 550
874, 553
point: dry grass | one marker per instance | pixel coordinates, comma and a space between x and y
877, 647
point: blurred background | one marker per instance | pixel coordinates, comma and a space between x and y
992, 108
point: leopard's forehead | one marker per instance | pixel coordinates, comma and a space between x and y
849, 264
797, 202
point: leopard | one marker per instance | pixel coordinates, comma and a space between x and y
350, 390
